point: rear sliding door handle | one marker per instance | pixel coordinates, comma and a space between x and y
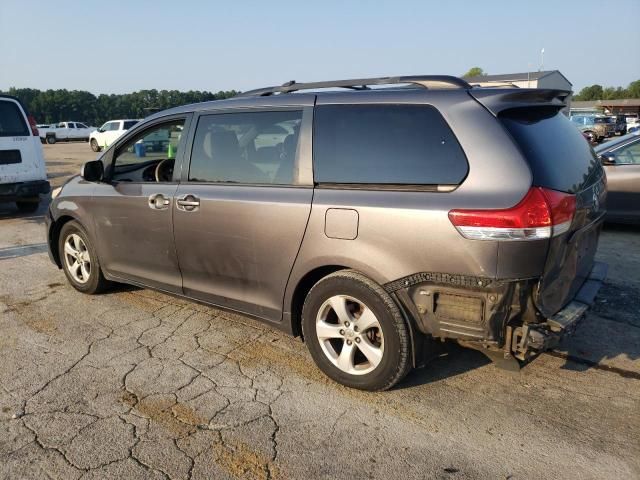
188, 203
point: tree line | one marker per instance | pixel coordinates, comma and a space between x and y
598, 92
50, 106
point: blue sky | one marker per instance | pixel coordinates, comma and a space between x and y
120, 46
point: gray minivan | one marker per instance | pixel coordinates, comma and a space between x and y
368, 216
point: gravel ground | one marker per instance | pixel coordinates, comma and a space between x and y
136, 384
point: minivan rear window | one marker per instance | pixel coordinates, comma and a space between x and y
12, 122
385, 144
559, 156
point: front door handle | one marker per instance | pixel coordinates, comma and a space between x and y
188, 203
158, 201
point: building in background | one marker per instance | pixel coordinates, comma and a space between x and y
625, 106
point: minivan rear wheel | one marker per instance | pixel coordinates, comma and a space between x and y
355, 332
79, 259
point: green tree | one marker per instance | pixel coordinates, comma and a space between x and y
633, 90
593, 92
51, 106
474, 72
611, 93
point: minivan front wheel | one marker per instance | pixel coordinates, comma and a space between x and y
79, 260
355, 332
94, 145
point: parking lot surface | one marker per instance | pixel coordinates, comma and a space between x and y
137, 384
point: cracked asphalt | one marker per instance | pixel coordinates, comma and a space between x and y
136, 384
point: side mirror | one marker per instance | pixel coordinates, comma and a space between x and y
100, 130
92, 171
608, 159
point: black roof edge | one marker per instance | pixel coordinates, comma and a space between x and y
498, 100
22, 105
361, 84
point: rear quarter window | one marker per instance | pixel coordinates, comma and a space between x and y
559, 156
12, 122
385, 144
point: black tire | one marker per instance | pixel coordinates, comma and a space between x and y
396, 358
94, 145
51, 139
96, 282
28, 205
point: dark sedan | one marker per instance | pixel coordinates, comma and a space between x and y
621, 160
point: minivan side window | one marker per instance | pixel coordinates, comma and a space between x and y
246, 148
12, 122
385, 144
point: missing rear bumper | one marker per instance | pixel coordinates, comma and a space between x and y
529, 340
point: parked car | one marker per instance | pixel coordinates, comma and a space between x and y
620, 122
596, 127
109, 133
633, 124
65, 132
621, 160
368, 221
23, 176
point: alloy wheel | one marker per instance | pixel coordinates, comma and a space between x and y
77, 258
350, 335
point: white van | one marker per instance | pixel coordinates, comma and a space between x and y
23, 176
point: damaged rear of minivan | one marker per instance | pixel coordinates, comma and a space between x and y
553, 231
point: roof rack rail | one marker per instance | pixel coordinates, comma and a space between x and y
426, 81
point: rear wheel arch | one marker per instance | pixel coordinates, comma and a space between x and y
305, 284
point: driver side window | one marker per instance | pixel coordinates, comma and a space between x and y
150, 155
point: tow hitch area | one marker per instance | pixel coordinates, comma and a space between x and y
529, 340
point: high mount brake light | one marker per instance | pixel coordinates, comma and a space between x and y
542, 213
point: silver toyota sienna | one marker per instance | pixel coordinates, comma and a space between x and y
368, 216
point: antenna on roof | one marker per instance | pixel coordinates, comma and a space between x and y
541, 60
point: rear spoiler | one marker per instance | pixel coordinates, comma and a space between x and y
497, 100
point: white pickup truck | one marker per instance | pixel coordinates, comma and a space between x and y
65, 132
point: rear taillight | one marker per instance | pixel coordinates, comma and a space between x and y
32, 124
542, 213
